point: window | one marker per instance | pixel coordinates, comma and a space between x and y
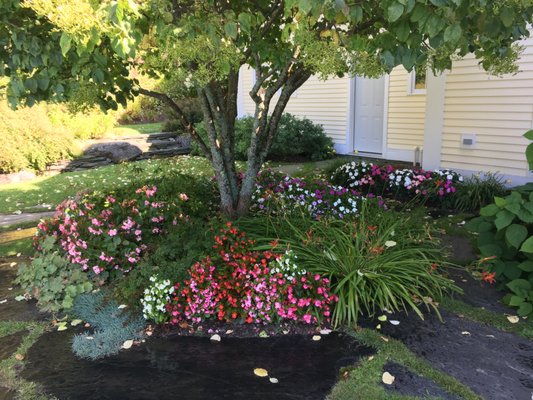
417, 81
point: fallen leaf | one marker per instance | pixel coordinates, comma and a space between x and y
62, 326
19, 254
229, 332
89, 338
384, 338
465, 333
183, 325
149, 333
261, 372
382, 318
513, 319
285, 332
378, 327
216, 338
3, 301
122, 306
20, 298
87, 325
76, 322
387, 378
325, 331
390, 243
12, 264
263, 334
491, 336
273, 380
316, 338
127, 344
19, 357
394, 322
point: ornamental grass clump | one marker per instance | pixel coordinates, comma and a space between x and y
381, 260
239, 284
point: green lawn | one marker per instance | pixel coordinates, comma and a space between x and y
54, 189
135, 129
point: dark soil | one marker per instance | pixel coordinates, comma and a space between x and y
495, 364
410, 384
9, 344
195, 368
13, 310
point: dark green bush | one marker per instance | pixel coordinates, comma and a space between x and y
192, 110
505, 241
476, 192
296, 139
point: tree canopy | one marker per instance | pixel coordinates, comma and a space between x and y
94, 50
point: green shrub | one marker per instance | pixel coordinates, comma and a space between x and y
379, 260
52, 280
90, 124
29, 139
296, 138
112, 326
143, 109
191, 107
505, 241
477, 192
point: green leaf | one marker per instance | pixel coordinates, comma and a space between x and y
65, 42
453, 33
525, 309
489, 210
529, 134
503, 219
519, 286
394, 11
231, 29
490, 250
516, 301
402, 31
245, 22
516, 234
507, 17
529, 155
500, 201
527, 246
526, 266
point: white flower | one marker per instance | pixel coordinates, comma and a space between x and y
390, 243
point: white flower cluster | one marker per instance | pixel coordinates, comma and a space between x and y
155, 299
353, 174
287, 266
449, 175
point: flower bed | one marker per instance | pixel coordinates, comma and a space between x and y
105, 236
365, 178
277, 193
240, 284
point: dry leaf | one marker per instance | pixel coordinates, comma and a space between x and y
183, 325
390, 243
465, 333
12, 264
229, 332
513, 319
370, 358
62, 326
387, 378
89, 338
261, 372
19, 357
127, 344
382, 318
87, 325
216, 338
122, 306
384, 338
76, 322
378, 327
394, 322
3, 301
316, 338
325, 331
273, 380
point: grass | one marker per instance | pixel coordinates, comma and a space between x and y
54, 189
136, 129
22, 246
9, 367
364, 381
523, 328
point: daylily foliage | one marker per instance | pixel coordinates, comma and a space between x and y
94, 50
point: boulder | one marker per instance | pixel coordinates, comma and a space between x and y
115, 151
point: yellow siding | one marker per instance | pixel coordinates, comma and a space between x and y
405, 125
497, 110
323, 102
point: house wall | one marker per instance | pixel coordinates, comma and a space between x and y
405, 126
323, 102
498, 110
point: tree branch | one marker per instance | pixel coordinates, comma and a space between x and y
181, 115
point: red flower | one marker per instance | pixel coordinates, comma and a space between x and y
488, 276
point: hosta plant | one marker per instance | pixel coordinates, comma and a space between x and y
505, 241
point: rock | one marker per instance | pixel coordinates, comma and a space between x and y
116, 152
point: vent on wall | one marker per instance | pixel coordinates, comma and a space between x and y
468, 140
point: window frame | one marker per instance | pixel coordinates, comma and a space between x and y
411, 86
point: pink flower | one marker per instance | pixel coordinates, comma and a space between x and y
112, 232
97, 269
307, 318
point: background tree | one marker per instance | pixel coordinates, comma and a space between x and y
57, 49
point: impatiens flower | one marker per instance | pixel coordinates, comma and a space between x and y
112, 232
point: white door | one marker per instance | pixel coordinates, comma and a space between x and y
369, 98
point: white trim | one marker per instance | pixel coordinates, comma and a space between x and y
350, 123
240, 97
401, 155
385, 134
434, 120
411, 82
